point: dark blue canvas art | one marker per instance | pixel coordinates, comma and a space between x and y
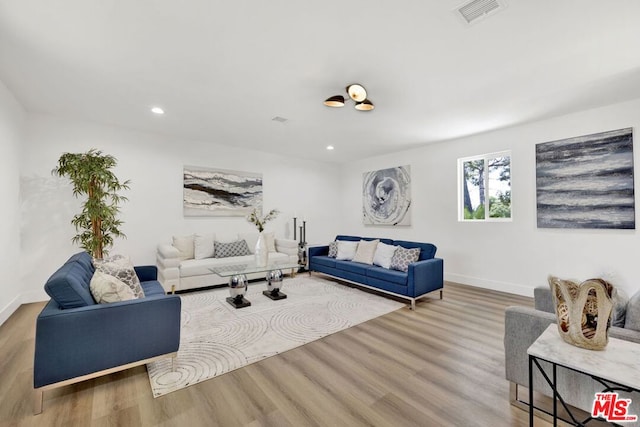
586, 181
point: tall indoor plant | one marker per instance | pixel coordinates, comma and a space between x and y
90, 173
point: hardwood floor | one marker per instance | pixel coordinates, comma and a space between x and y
440, 365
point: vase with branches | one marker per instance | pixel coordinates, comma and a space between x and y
259, 221
91, 175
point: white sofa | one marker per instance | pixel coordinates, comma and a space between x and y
186, 262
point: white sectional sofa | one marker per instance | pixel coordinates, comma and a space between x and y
186, 262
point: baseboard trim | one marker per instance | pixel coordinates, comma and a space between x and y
511, 288
23, 298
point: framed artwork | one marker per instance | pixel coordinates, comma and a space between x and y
386, 196
220, 192
586, 181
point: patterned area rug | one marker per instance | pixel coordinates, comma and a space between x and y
217, 338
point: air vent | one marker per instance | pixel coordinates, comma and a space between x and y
279, 119
476, 10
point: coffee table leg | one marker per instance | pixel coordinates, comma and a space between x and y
237, 288
274, 283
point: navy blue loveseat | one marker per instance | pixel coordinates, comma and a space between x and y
423, 277
78, 339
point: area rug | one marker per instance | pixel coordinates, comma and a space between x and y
216, 338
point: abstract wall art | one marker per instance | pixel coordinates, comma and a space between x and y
386, 196
220, 192
586, 181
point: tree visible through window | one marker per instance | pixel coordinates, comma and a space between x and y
486, 187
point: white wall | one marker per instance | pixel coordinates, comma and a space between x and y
153, 214
515, 256
11, 128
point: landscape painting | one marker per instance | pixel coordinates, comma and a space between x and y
386, 196
586, 181
220, 192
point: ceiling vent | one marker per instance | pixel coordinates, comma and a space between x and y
279, 119
476, 10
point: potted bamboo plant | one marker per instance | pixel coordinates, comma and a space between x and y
90, 173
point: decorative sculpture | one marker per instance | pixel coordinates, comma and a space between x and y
583, 311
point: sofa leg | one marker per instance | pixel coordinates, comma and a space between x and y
440, 293
413, 303
173, 364
37, 403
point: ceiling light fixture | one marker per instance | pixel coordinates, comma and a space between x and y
357, 93
157, 110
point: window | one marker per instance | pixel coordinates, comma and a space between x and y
485, 187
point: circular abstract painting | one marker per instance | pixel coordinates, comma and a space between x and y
386, 196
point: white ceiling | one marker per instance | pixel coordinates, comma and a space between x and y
223, 70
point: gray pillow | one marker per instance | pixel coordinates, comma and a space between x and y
619, 311
632, 320
402, 257
226, 250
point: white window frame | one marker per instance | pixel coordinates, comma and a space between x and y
485, 158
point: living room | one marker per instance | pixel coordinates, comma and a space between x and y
512, 257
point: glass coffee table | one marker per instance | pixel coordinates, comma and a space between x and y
237, 274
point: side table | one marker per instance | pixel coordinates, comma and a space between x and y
616, 367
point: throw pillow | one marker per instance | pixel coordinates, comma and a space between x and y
619, 311
346, 250
271, 241
226, 250
106, 289
203, 245
403, 257
184, 245
366, 250
384, 254
333, 249
121, 268
251, 239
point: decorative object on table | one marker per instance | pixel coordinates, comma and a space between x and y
586, 181
90, 173
357, 93
302, 243
274, 284
261, 250
583, 311
386, 196
220, 192
215, 340
237, 290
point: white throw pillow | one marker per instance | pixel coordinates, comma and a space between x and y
366, 250
106, 288
271, 241
384, 254
203, 245
184, 245
346, 250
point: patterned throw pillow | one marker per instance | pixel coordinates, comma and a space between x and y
333, 249
226, 250
121, 268
106, 289
403, 257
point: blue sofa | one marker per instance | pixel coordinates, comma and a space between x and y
423, 277
77, 339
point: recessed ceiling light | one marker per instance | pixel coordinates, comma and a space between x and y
329, 147
157, 110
